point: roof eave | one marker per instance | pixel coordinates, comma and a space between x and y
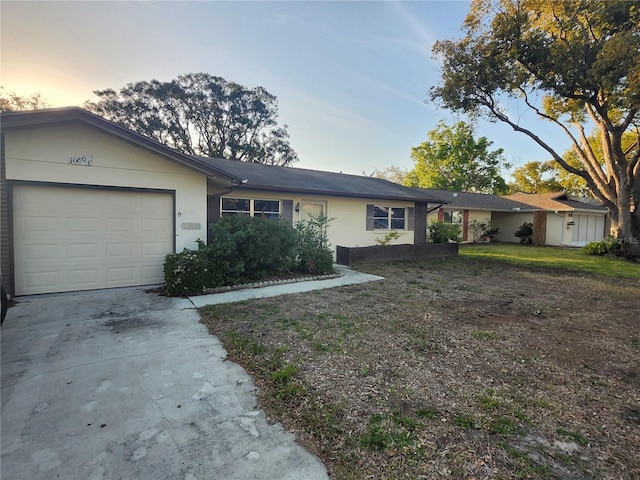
249, 186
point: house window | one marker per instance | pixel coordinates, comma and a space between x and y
389, 218
454, 216
250, 207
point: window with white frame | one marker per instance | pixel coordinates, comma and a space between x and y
389, 218
250, 207
453, 216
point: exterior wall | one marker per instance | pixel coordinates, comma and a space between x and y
348, 227
5, 262
42, 155
583, 228
468, 216
508, 223
555, 228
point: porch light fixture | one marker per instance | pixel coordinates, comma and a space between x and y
298, 207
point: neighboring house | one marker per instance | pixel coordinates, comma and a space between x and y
465, 208
558, 219
88, 204
567, 221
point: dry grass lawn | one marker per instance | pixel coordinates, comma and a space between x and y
460, 368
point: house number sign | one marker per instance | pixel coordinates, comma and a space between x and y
190, 226
80, 160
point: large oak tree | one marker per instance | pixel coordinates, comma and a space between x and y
200, 114
573, 63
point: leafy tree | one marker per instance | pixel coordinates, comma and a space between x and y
393, 174
452, 159
12, 102
535, 177
199, 114
583, 59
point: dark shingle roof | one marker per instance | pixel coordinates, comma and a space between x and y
479, 201
257, 176
557, 201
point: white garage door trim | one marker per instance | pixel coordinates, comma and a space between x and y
69, 238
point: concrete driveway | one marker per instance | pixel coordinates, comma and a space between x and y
124, 384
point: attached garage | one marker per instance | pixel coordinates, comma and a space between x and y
70, 239
88, 204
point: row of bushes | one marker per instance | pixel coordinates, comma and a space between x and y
245, 249
625, 248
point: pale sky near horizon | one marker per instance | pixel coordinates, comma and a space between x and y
351, 78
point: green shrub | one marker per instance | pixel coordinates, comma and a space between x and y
245, 249
603, 247
443, 232
313, 252
264, 247
185, 273
481, 231
525, 233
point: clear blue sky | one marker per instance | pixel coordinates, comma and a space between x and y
350, 77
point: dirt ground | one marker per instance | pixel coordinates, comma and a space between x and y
454, 368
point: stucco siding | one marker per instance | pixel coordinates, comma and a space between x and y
508, 223
347, 226
42, 155
555, 228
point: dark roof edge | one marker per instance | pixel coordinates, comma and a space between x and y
70, 115
248, 186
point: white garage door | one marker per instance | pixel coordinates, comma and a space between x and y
68, 239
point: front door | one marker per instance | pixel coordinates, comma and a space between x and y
312, 208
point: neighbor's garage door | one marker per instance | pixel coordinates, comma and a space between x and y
68, 239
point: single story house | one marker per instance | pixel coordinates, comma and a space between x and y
558, 219
566, 221
88, 204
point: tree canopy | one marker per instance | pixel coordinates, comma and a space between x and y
452, 159
575, 64
12, 102
200, 114
535, 177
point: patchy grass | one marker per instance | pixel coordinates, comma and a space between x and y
476, 366
571, 259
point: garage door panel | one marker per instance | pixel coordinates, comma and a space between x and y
83, 251
69, 239
83, 278
40, 253
82, 225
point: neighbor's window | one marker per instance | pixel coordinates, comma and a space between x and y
389, 218
452, 216
250, 207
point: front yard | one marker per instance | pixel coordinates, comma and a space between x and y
504, 362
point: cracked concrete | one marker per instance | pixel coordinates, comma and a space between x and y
126, 384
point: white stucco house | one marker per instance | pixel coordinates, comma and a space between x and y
88, 204
558, 219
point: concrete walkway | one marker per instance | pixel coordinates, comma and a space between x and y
124, 384
348, 277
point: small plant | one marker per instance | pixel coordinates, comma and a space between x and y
389, 237
312, 251
481, 231
525, 233
442, 232
185, 274
465, 421
286, 387
603, 247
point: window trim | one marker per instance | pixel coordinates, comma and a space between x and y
371, 217
252, 211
